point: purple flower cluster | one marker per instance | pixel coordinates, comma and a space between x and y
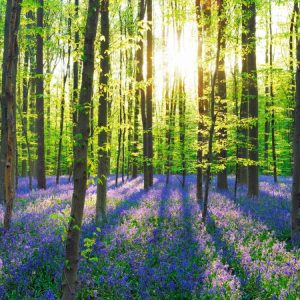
154, 245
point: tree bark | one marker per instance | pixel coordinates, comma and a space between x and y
62, 109
274, 158
139, 97
103, 139
8, 97
149, 94
75, 84
243, 129
253, 185
41, 173
201, 105
222, 93
25, 110
296, 167
4, 128
80, 155
212, 115
182, 109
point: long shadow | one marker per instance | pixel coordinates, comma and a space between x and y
44, 245
170, 267
230, 257
269, 209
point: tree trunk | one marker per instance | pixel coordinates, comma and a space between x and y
80, 156
62, 109
212, 115
27, 144
135, 143
274, 159
149, 93
253, 184
103, 159
139, 77
75, 84
267, 95
8, 97
201, 106
4, 129
41, 176
182, 109
293, 33
243, 130
123, 144
296, 168
24, 110
139, 96
222, 93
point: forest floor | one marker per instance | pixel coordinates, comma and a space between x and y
154, 245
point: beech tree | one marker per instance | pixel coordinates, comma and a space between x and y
252, 97
103, 164
296, 170
8, 100
41, 173
80, 155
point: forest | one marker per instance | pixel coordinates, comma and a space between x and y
150, 149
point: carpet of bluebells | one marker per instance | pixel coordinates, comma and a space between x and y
154, 245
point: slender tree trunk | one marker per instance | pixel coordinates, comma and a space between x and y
243, 130
135, 143
25, 110
123, 144
296, 168
168, 131
201, 105
23, 115
139, 74
62, 110
267, 95
120, 106
41, 173
139, 98
274, 159
222, 93
182, 109
130, 74
293, 33
75, 84
8, 97
236, 106
119, 137
253, 185
80, 156
4, 128
32, 100
27, 144
103, 138
212, 115
149, 108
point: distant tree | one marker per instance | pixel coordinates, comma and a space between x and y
201, 103
63, 103
140, 92
213, 114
